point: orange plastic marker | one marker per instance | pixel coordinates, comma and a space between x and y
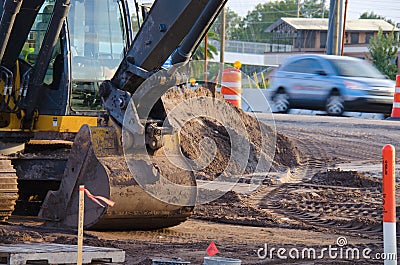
388, 189
389, 202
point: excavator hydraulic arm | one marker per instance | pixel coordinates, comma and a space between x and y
15, 25
168, 29
99, 158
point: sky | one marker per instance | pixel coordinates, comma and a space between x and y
388, 9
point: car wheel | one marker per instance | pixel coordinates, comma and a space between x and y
281, 102
335, 105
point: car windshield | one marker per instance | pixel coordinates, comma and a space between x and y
355, 68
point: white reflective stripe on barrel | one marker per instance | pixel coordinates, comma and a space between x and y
232, 97
231, 84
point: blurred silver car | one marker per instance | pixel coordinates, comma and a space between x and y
331, 83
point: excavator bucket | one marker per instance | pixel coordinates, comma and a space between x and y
97, 162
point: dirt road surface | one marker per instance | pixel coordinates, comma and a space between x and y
331, 200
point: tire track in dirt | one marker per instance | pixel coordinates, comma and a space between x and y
329, 207
324, 146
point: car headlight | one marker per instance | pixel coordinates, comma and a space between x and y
353, 85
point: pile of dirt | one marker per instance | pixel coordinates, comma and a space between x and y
12, 236
89, 240
286, 154
27, 230
352, 179
231, 208
265, 144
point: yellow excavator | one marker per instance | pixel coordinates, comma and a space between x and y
81, 104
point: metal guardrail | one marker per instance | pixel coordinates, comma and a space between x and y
251, 47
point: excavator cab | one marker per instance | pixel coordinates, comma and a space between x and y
96, 48
89, 50
65, 72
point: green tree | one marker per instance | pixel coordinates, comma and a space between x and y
372, 15
313, 9
211, 50
232, 22
252, 26
383, 49
134, 23
214, 33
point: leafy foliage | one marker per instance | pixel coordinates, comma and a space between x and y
383, 49
232, 22
372, 15
252, 26
211, 50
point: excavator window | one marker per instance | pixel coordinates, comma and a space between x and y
97, 43
32, 45
1, 6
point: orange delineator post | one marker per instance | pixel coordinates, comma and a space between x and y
396, 101
389, 203
231, 87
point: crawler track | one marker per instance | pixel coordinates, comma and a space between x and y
8, 189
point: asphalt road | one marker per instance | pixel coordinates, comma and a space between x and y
331, 142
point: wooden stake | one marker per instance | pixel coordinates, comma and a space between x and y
80, 223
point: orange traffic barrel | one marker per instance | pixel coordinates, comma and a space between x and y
231, 87
396, 101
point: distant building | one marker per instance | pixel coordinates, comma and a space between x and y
309, 35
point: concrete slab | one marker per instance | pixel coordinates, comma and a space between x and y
48, 253
169, 262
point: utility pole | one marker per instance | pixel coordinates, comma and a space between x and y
340, 15
223, 34
344, 26
335, 32
336, 26
323, 9
298, 8
205, 59
329, 46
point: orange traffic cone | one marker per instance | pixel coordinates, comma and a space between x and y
396, 101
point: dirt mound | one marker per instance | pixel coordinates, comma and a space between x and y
229, 198
11, 236
39, 232
351, 179
88, 240
261, 138
231, 208
286, 154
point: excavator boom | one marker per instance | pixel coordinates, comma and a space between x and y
97, 158
168, 29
